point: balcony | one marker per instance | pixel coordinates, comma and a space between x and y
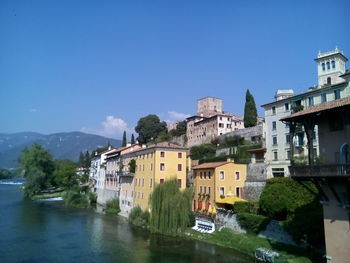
329, 171
125, 174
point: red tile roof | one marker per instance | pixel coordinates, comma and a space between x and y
209, 165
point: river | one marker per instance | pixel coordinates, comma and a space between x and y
49, 231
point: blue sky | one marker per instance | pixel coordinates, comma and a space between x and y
98, 66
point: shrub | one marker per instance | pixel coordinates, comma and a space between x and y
253, 223
74, 197
92, 198
246, 207
138, 217
112, 206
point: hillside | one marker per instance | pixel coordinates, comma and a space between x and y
61, 145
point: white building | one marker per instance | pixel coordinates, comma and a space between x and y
332, 84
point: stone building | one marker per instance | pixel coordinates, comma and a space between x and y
210, 122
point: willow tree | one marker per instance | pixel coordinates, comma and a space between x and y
171, 208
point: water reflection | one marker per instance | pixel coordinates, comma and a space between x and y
52, 232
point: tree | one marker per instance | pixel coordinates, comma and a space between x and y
132, 139
124, 139
171, 208
203, 151
181, 128
250, 112
87, 160
132, 166
149, 128
38, 168
65, 174
81, 160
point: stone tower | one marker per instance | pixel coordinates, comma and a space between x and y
330, 65
209, 106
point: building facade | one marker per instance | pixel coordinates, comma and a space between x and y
215, 183
210, 122
331, 86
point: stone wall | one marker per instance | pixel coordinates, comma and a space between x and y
249, 134
104, 195
229, 220
255, 182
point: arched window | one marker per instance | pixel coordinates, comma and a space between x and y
328, 65
333, 64
329, 80
323, 67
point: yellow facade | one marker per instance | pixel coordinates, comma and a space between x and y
215, 181
155, 165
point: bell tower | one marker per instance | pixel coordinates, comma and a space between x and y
330, 65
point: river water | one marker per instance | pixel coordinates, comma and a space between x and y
48, 231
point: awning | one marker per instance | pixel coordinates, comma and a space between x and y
230, 200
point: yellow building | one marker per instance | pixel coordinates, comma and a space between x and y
216, 184
156, 164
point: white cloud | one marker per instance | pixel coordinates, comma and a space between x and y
174, 116
111, 127
33, 110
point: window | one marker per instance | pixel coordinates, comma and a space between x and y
288, 155
200, 175
151, 166
278, 172
205, 175
311, 101
273, 125
329, 80
323, 67
150, 182
208, 189
162, 154
238, 192
222, 175
328, 65
162, 166
136, 181
179, 167
274, 140
275, 156
205, 190
333, 64
179, 155
287, 124
141, 195
209, 175
143, 167
179, 182
286, 106
161, 181
273, 110
324, 97
337, 94
221, 125
222, 191
287, 138
300, 139
143, 182
200, 189
237, 175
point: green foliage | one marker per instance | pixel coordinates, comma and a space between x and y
164, 136
231, 141
87, 160
250, 112
65, 174
275, 201
149, 128
124, 139
246, 207
132, 166
112, 206
220, 158
138, 217
297, 108
171, 208
203, 151
5, 174
132, 139
75, 197
253, 223
81, 160
38, 168
92, 197
180, 129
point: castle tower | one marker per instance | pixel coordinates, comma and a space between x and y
330, 65
209, 106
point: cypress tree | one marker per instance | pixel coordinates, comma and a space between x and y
250, 112
132, 139
81, 160
124, 139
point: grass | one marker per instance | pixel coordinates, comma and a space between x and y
248, 243
112, 206
47, 195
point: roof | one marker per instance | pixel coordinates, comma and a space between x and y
318, 108
303, 93
258, 150
230, 200
347, 72
209, 165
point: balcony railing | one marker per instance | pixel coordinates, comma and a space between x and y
125, 174
320, 171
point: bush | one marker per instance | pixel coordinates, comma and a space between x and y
92, 198
246, 207
192, 221
275, 201
203, 151
74, 197
138, 217
253, 223
112, 206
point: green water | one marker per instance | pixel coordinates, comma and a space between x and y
38, 231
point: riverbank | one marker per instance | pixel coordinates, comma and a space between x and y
248, 243
47, 195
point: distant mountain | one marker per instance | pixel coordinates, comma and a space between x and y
61, 145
